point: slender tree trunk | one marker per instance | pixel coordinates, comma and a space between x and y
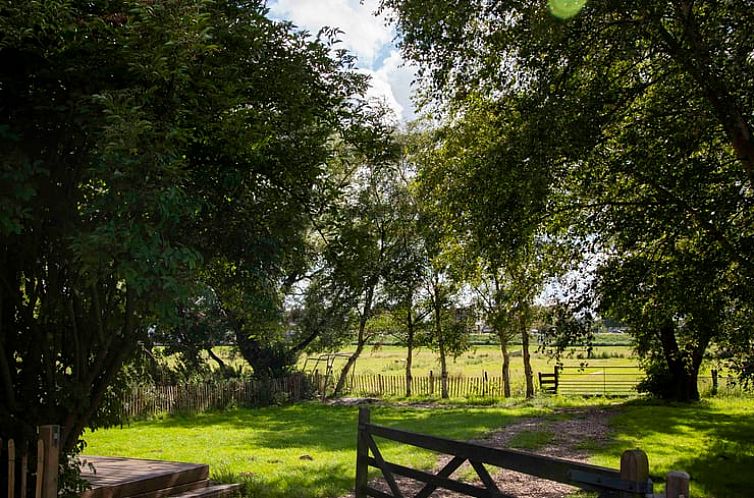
409, 352
506, 364
360, 342
527, 357
441, 345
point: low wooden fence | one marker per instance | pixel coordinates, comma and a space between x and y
632, 480
14, 466
430, 386
153, 400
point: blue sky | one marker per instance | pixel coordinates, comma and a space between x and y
363, 34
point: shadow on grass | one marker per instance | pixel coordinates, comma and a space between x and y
712, 440
334, 427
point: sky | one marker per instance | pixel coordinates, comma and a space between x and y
366, 36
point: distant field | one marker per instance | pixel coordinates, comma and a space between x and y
390, 360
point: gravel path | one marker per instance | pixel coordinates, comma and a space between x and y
582, 425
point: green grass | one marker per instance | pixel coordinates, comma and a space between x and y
713, 441
531, 440
305, 450
308, 450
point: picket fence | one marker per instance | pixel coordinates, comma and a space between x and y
482, 386
153, 400
144, 401
14, 466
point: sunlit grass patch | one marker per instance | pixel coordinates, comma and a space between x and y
305, 450
713, 441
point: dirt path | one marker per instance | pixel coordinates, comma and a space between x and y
567, 441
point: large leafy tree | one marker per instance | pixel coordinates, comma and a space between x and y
640, 114
140, 142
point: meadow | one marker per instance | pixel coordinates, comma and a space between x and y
483, 356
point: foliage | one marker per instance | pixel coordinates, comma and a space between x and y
144, 145
627, 125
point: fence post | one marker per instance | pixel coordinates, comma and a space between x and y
431, 384
50, 434
714, 381
362, 454
11, 467
677, 485
634, 466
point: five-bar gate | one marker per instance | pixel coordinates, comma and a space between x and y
632, 480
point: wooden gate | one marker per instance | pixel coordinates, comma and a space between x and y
631, 481
591, 380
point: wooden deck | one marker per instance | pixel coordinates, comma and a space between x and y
115, 477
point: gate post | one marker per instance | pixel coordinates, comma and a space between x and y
677, 485
634, 466
362, 454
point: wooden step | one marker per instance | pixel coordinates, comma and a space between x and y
196, 486
126, 477
212, 491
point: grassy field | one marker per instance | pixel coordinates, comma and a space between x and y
304, 450
391, 360
308, 450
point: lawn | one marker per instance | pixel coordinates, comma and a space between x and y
713, 441
308, 450
304, 450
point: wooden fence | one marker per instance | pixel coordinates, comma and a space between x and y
14, 466
153, 400
605, 380
631, 481
430, 386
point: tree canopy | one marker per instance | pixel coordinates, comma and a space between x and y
142, 143
631, 120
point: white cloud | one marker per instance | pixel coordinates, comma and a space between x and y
366, 36
363, 33
392, 82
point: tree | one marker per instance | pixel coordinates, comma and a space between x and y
408, 267
141, 141
357, 228
641, 114
489, 190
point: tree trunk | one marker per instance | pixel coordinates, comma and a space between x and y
347, 368
441, 347
409, 353
527, 357
506, 364
683, 382
360, 342
220, 363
